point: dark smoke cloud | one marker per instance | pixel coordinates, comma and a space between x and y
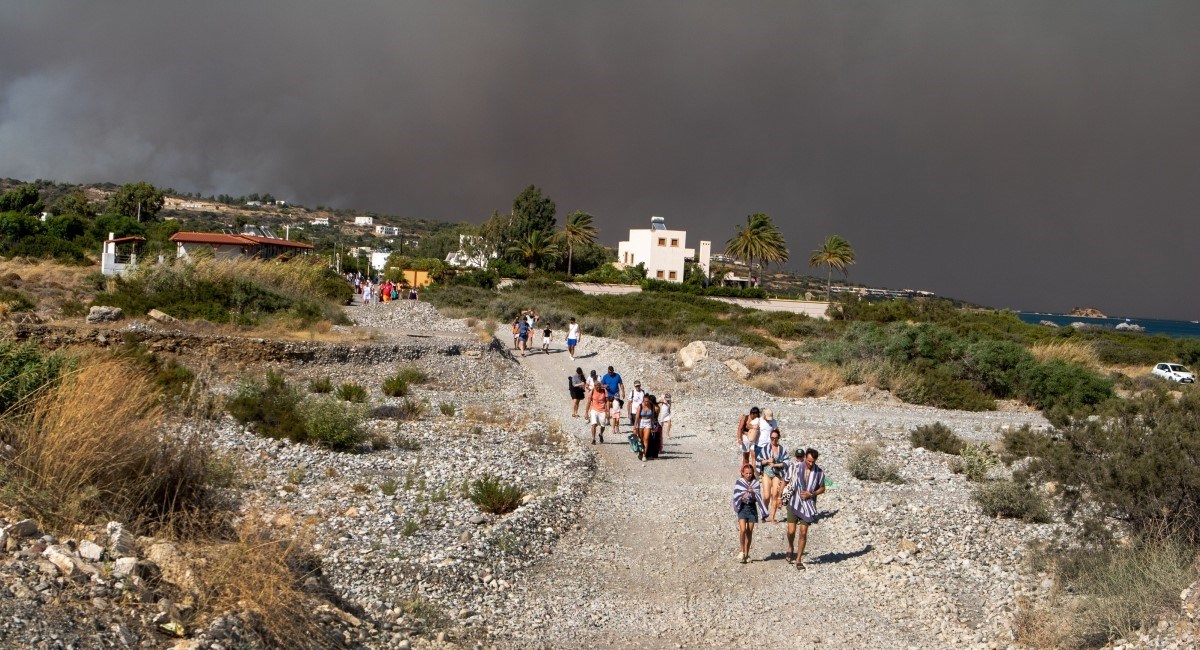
1025, 154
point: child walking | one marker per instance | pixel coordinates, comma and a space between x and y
749, 507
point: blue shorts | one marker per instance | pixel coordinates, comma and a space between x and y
571, 342
749, 512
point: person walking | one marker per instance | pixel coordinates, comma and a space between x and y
664, 415
806, 481
636, 395
516, 332
744, 438
576, 385
766, 424
772, 466
546, 333
749, 508
644, 420
597, 410
613, 383
523, 331
573, 337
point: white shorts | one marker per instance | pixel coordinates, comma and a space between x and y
545, 340
596, 417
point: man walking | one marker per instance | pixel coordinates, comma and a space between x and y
806, 481
597, 407
613, 384
523, 331
635, 399
572, 337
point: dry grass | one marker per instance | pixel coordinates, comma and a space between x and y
477, 414
46, 273
263, 574
758, 364
655, 344
799, 380
1069, 351
91, 447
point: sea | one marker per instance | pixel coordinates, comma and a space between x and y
1172, 328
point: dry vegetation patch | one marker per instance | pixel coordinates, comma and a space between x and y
798, 380
1070, 351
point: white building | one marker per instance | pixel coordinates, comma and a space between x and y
471, 253
387, 230
663, 251
120, 254
364, 221
320, 221
379, 260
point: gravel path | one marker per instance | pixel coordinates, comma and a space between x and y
652, 561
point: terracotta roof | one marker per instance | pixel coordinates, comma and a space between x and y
122, 240
234, 240
278, 242
211, 238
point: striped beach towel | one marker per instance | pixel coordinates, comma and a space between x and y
805, 480
740, 490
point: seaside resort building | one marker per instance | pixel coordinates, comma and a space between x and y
663, 251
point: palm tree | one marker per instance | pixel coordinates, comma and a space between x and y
760, 241
536, 248
578, 231
837, 253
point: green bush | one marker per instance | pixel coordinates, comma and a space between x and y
448, 408
1011, 500
936, 437
494, 496
866, 464
17, 301
72, 309
329, 424
352, 392
936, 387
412, 375
1069, 385
395, 387
977, 461
322, 385
25, 370
273, 406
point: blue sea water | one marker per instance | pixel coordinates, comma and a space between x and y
1172, 328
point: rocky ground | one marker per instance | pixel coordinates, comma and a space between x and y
604, 552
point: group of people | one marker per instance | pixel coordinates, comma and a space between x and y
770, 480
376, 291
607, 403
526, 324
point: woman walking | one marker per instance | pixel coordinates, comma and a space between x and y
644, 419
749, 508
664, 415
772, 465
577, 382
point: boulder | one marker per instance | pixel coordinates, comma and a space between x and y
174, 567
161, 317
101, 314
1048, 323
68, 564
23, 528
120, 543
691, 353
738, 368
90, 551
124, 566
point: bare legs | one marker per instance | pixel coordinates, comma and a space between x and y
745, 537
666, 428
799, 532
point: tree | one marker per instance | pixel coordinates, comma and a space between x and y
760, 241
535, 249
23, 198
837, 253
578, 231
140, 200
531, 212
73, 203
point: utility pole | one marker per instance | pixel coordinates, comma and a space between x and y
139, 210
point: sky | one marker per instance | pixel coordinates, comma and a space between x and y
1022, 154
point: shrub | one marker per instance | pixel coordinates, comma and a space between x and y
389, 486
1058, 383
329, 424
17, 301
977, 460
395, 387
25, 370
72, 309
493, 496
1011, 500
352, 392
936, 437
799, 380
67, 466
866, 464
273, 407
412, 375
447, 408
321, 386
937, 388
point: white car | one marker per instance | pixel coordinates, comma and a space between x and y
1174, 372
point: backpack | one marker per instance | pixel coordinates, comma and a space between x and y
570, 382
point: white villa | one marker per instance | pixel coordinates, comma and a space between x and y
470, 254
364, 221
663, 251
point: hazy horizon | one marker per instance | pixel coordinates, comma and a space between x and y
1024, 155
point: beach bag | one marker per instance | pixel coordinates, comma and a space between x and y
789, 491
655, 446
635, 443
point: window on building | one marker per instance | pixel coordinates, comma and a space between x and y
671, 275
659, 275
675, 243
662, 241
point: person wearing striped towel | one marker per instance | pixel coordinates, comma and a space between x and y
809, 482
749, 507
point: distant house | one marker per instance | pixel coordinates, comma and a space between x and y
363, 221
120, 254
387, 230
226, 246
470, 253
320, 221
663, 251
254, 204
